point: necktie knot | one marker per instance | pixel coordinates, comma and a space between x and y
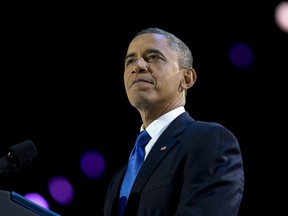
143, 138
138, 151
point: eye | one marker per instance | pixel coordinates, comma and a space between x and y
129, 61
152, 57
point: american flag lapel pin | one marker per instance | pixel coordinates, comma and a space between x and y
163, 148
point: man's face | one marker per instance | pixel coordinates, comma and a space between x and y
152, 75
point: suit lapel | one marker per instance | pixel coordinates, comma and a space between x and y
161, 148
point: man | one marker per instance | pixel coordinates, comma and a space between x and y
191, 167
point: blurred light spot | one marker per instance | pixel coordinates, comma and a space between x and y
241, 55
92, 164
281, 16
38, 199
61, 190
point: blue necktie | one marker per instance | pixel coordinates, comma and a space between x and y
134, 164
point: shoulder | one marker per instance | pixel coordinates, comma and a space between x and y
210, 131
202, 129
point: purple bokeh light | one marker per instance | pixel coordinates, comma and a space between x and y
38, 199
241, 55
92, 164
61, 190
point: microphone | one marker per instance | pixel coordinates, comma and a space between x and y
19, 155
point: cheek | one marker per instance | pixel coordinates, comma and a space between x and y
125, 77
127, 81
169, 84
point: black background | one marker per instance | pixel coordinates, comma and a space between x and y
62, 87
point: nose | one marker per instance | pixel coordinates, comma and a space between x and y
140, 66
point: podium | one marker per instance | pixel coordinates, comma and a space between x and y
13, 204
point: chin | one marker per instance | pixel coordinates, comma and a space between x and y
140, 101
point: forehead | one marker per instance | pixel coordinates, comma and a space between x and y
149, 41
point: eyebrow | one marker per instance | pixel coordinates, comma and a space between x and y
149, 51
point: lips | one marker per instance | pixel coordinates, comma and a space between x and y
140, 80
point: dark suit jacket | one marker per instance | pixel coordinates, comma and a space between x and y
199, 172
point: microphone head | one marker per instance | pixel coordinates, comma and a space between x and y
22, 154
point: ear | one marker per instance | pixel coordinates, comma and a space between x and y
189, 78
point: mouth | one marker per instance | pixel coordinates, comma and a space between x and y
141, 80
